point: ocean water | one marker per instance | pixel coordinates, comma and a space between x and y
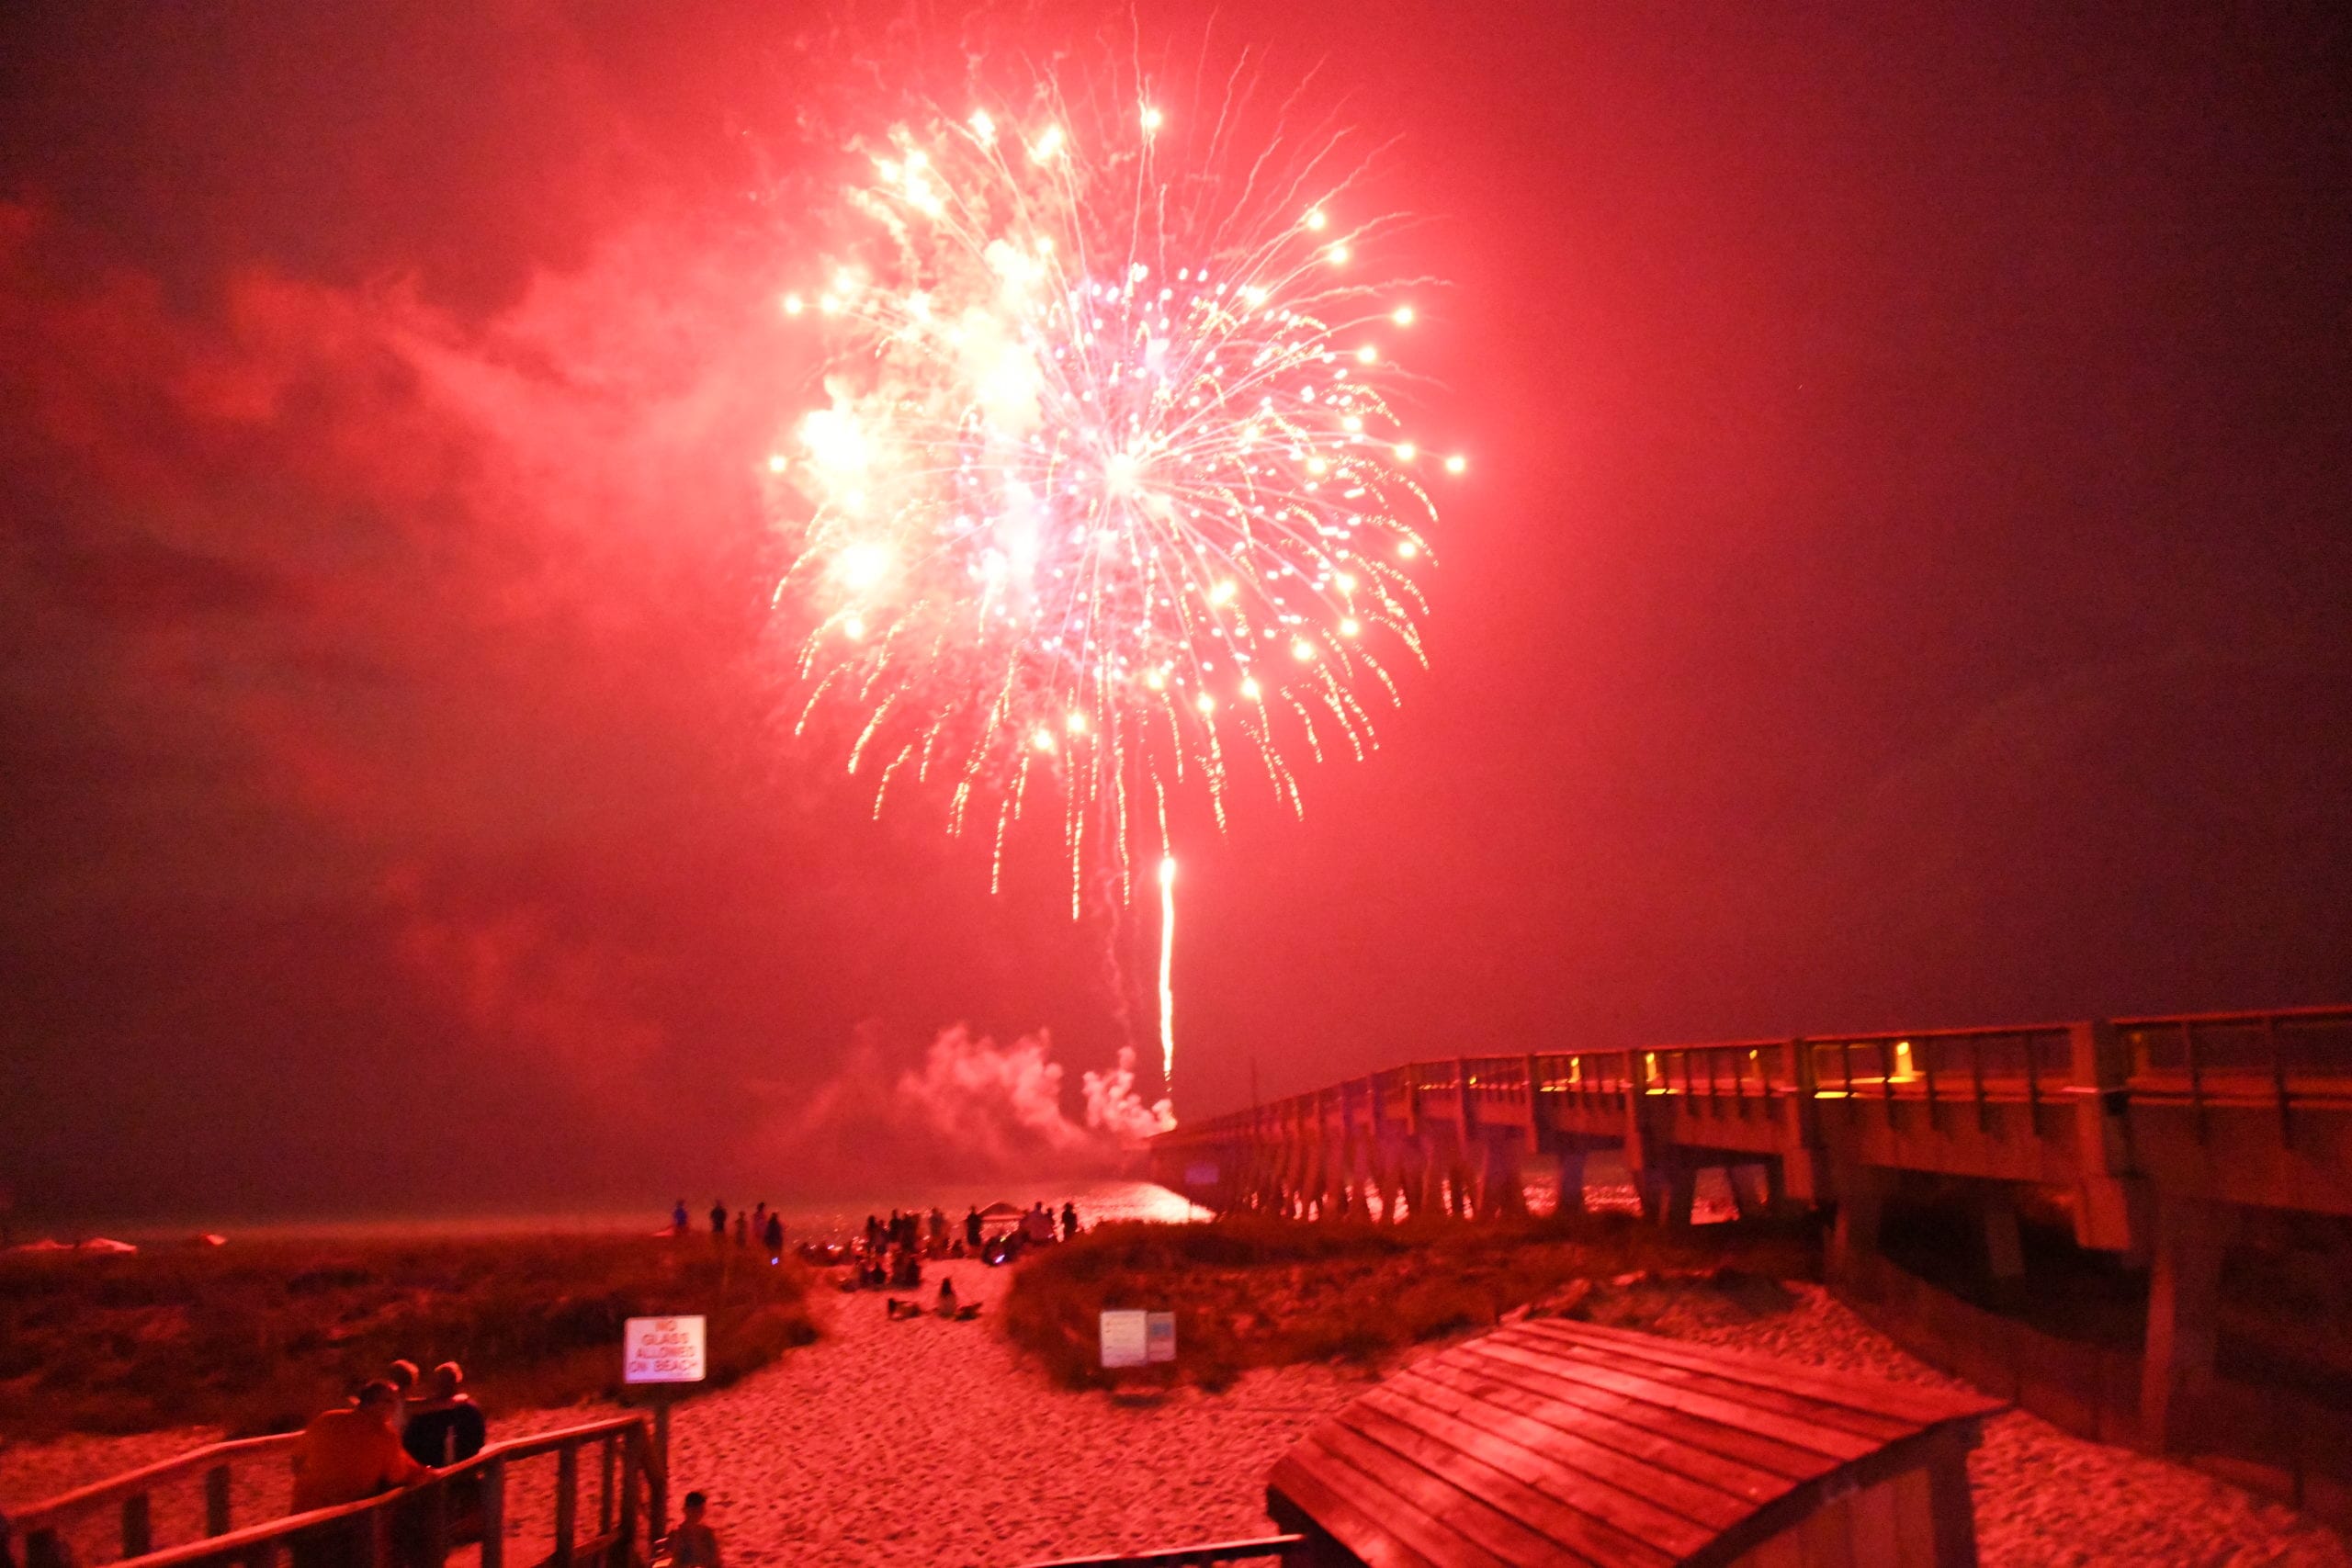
805, 1218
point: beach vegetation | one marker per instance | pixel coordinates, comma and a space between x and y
259, 1336
1251, 1290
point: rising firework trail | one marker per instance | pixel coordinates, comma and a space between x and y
1167, 975
1109, 488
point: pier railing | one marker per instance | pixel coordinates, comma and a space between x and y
2279, 1060
419, 1525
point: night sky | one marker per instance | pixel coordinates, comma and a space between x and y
1901, 580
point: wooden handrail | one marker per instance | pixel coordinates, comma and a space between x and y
43, 1520
84, 1500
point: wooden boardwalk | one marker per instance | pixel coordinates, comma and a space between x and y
1564, 1445
2154, 1134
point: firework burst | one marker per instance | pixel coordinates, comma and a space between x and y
1109, 493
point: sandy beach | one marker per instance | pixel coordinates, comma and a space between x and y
933, 1442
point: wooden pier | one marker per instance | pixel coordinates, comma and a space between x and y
2154, 1134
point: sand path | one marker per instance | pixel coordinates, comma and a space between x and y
933, 1442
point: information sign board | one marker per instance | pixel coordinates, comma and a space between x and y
662, 1350
1125, 1340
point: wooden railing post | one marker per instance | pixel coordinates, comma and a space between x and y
436, 1504
494, 1514
216, 1500
374, 1537
658, 1489
137, 1527
604, 1484
567, 1501
632, 1479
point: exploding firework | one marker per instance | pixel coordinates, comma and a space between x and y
1109, 487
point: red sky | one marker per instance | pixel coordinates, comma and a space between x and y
1902, 583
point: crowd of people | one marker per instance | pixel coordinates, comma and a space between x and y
889, 1254
760, 1226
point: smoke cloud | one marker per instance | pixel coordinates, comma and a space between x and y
967, 1107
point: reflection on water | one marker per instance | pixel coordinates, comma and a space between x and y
804, 1219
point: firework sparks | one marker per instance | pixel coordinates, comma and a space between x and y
1108, 488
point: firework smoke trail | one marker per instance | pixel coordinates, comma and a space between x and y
1108, 490
1167, 964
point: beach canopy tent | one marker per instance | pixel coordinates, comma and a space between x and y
1553, 1443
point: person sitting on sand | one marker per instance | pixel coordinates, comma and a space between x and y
349, 1452
448, 1426
947, 1302
694, 1544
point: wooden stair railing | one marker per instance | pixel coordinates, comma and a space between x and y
412, 1527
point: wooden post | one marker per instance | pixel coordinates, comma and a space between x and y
605, 1485
1861, 1201
567, 1501
216, 1500
1682, 1194
42, 1550
2112, 1202
494, 1514
436, 1503
138, 1527
658, 1493
2184, 1300
2004, 1251
1572, 1181
1953, 1509
375, 1535
632, 1482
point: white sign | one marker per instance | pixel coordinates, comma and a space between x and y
662, 1349
1126, 1338
1160, 1337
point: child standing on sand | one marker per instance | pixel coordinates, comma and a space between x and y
694, 1544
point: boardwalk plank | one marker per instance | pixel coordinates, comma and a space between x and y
1534, 1487
1677, 1453
1860, 1424
1830, 1440
1609, 1411
1375, 1540
1472, 1518
1919, 1405
1693, 1500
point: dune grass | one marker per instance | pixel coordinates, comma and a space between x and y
256, 1338
1249, 1291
